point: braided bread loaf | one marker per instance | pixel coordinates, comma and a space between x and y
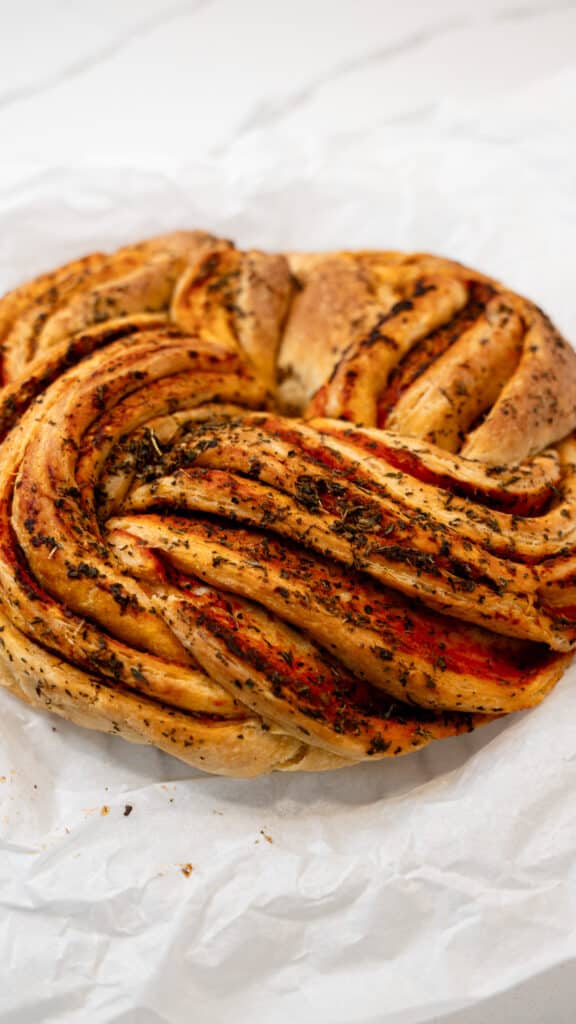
283, 512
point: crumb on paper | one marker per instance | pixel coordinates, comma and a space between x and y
187, 870
128, 808
104, 810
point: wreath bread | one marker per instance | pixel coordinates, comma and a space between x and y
283, 512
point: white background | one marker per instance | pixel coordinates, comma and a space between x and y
397, 892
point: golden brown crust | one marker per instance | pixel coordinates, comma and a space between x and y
363, 313
183, 564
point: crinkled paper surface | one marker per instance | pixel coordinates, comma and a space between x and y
391, 893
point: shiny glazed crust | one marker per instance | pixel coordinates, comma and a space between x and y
283, 512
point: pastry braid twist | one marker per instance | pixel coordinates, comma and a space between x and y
283, 512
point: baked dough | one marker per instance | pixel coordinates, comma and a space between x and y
283, 512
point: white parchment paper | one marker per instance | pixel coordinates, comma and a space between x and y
386, 894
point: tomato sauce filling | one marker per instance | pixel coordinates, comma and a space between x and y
405, 628
324, 692
530, 503
426, 351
